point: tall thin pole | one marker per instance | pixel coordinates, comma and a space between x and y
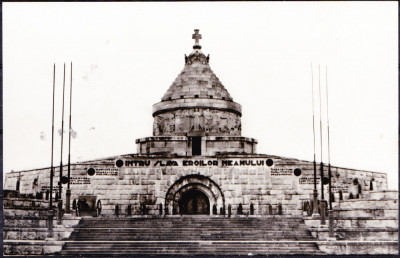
320, 127
61, 165
67, 203
52, 141
51, 213
315, 192
331, 235
322, 203
329, 154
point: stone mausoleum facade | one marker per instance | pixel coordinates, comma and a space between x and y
197, 162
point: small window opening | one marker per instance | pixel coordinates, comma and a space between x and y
196, 96
196, 145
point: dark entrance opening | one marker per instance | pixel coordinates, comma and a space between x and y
194, 202
196, 145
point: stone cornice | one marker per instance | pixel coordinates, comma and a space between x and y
188, 103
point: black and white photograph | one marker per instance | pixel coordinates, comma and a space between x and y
200, 128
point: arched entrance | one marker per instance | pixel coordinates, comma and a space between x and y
194, 194
194, 201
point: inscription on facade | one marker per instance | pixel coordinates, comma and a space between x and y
307, 180
80, 180
281, 171
137, 163
186, 162
107, 171
200, 162
243, 162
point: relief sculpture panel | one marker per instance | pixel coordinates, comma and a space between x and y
197, 120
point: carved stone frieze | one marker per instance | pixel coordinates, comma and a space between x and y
197, 57
197, 120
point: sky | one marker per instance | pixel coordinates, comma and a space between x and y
126, 55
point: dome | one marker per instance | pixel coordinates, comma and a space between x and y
197, 80
197, 103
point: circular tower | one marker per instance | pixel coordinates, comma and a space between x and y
197, 115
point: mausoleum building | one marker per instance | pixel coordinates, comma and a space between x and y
197, 161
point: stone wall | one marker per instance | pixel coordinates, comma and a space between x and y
175, 145
245, 180
182, 145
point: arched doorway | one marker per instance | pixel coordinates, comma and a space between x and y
194, 201
197, 189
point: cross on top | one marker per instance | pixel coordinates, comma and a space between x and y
196, 36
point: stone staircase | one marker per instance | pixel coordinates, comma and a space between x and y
25, 227
364, 226
191, 235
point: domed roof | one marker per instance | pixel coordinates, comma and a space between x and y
197, 87
197, 80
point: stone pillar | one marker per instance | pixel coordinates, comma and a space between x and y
68, 202
331, 236
59, 211
315, 204
323, 210
50, 232
203, 146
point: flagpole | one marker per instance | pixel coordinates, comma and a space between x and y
322, 202
315, 192
331, 233
51, 213
52, 142
61, 165
329, 154
68, 200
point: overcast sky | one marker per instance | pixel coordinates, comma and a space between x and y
126, 55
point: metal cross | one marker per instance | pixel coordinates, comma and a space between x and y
196, 36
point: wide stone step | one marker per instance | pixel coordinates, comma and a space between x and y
205, 236
388, 194
222, 227
194, 253
206, 226
195, 222
139, 234
368, 204
148, 234
160, 245
177, 249
193, 233
192, 237
181, 230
